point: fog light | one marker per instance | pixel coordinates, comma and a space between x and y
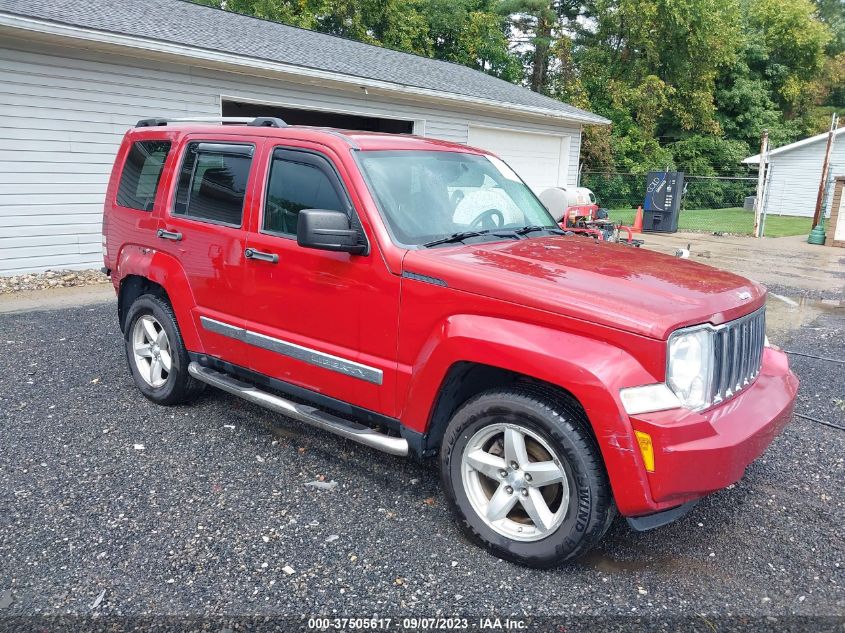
646, 449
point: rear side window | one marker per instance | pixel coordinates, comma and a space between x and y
213, 181
141, 174
294, 186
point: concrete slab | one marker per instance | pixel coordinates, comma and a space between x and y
780, 261
56, 298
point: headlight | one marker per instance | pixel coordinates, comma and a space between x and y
689, 371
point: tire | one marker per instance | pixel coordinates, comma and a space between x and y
171, 384
579, 506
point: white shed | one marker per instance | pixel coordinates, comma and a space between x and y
76, 74
796, 170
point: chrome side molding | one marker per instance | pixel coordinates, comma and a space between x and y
292, 350
304, 413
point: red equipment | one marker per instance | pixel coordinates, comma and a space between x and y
570, 207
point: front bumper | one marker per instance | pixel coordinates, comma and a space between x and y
698, 453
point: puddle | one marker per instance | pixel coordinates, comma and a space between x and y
287, 433
784, 314
600, 561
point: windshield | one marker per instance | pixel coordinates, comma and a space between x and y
427, 196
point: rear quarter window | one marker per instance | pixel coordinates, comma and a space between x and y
141, 174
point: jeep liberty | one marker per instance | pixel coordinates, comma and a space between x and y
414, 296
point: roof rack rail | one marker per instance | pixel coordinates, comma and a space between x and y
261, 121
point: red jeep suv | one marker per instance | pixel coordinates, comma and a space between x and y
415, 296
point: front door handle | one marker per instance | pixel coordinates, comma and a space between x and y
169, 235
251, 253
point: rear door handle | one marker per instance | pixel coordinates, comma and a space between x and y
251, 253
169, 235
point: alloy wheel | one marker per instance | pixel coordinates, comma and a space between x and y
515, 481
151, 349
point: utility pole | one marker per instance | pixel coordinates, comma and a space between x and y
817, 216
761, 180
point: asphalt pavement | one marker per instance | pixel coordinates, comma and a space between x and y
112, 505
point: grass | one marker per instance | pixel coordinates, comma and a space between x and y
734, 220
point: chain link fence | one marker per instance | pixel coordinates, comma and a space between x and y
718, 204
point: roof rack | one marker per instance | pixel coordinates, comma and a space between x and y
261, 121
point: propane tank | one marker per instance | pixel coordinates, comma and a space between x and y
556, 200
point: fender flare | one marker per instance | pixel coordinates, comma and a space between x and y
166, 271
591, 370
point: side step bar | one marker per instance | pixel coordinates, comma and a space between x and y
310, 415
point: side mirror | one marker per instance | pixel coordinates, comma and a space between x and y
328, 231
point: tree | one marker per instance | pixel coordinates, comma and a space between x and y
301, 13
707, 155
468, 32
789, 46
651, 67
832, 13
472, 33
536, 25
746, 105
676, 47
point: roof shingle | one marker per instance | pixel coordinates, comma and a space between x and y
193, 25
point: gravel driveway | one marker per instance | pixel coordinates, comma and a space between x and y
207, 510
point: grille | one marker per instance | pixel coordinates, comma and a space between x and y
738, 349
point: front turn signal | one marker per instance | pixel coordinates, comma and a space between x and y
646, 449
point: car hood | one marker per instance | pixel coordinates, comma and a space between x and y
619, 286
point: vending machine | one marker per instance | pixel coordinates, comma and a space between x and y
664, 191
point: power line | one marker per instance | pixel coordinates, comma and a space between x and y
818, 421
829, 360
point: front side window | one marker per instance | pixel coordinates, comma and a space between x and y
294, 186
425, 196
213, 181
141, 174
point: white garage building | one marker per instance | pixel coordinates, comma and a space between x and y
75, 74
796, 170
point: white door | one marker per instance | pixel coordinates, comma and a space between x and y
541, 160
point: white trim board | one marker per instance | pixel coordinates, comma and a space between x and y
754, 160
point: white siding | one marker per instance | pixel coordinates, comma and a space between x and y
541, 159
63, 112
794, 184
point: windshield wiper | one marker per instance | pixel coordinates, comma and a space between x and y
462, 235
457, 237
525, 230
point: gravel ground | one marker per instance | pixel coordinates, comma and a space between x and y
52, 279
831, 294
115, 506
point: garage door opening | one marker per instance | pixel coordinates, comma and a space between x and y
319, 118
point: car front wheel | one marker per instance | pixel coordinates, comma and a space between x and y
525, 478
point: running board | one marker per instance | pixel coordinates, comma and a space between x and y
310, 415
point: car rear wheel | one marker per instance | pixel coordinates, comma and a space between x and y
151, 350
525, 478
156, 354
